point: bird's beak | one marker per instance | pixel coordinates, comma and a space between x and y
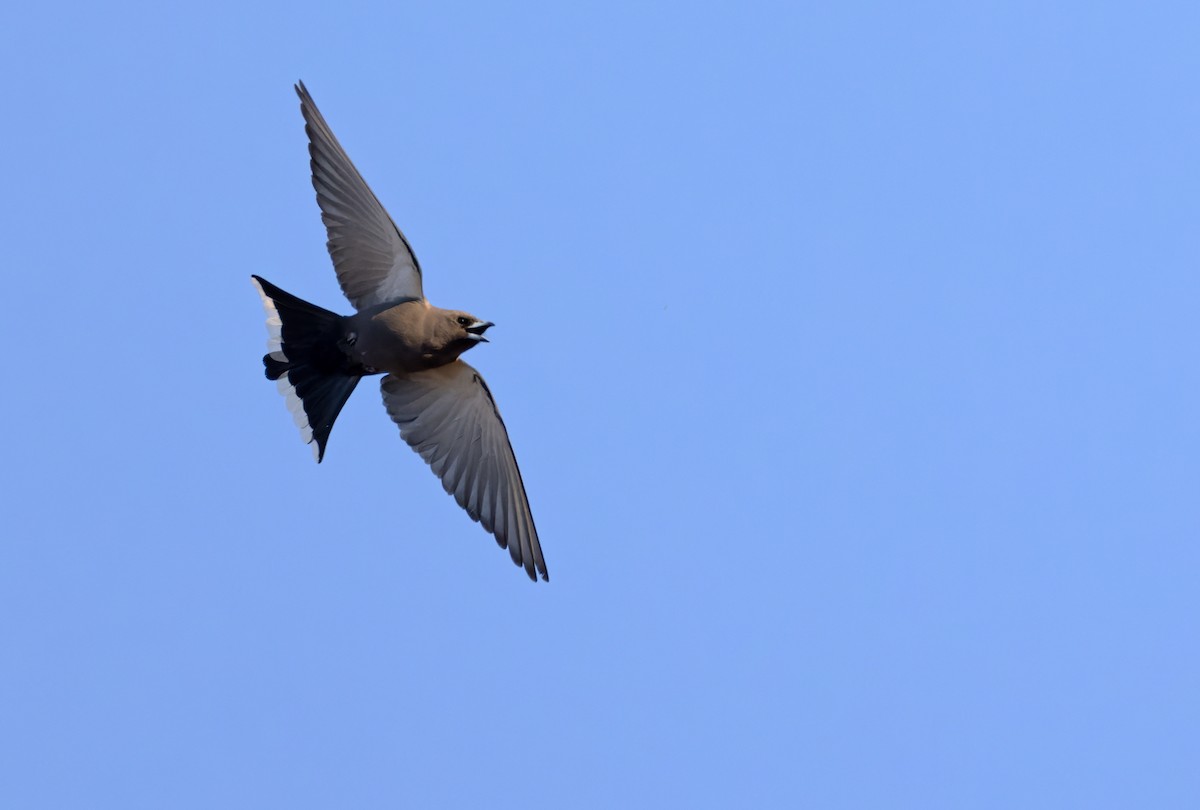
478, 328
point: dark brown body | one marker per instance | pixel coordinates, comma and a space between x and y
409, 336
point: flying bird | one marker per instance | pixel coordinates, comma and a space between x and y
442, 405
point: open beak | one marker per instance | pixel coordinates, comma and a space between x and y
478, 328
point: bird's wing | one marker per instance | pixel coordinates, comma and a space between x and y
447, 414
374, 263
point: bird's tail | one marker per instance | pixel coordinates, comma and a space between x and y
306, 361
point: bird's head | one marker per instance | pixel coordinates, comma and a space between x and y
463, 330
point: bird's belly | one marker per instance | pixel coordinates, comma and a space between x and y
392, 356
382, 349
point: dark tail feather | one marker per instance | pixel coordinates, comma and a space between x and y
307, 362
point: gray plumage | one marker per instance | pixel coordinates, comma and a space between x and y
442, 405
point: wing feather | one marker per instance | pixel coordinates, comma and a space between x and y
448, 416
373, 260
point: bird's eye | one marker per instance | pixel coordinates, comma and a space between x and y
463, 321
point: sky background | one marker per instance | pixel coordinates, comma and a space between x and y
848, 350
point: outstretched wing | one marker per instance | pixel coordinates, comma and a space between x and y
447, 414
372, 258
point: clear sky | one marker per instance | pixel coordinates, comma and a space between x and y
848, 350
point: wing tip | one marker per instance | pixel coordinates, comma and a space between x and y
534, 569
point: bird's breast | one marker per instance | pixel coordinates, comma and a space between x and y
398, 339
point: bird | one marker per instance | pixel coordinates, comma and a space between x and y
443, 407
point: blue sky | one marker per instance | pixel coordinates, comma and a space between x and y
848, 351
